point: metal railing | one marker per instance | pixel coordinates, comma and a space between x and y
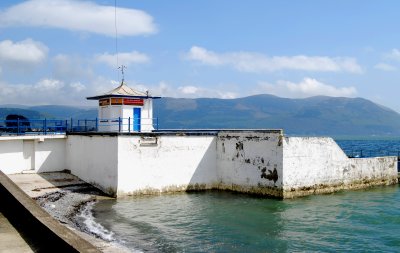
54, 126
364, 153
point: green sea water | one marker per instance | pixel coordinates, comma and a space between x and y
352, 221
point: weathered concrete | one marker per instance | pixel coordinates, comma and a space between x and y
315, 165
249, 161
253, 161
39, 226
257, 162
47, 188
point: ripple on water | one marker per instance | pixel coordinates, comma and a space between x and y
228, 222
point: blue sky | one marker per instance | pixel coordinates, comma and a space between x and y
61, 51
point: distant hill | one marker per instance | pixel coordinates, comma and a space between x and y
49, 111
310, 116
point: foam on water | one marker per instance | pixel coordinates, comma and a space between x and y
95, 228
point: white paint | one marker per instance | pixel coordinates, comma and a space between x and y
108, 117
247, 157
249, 161
94, 159
171, 164
316, 162
37, 153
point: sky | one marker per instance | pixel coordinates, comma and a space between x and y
62, 51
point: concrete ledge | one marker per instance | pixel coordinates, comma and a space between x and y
179, 132
38, 226
326, 189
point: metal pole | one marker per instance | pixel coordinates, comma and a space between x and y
119, 124
45, 126
129, 124
85, 125
17, 126
97, 125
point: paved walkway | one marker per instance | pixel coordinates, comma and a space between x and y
10, 239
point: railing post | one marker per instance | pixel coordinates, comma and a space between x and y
45, 126
97, 125
129, 124
17, 126
85, 125
66, 125
119, 124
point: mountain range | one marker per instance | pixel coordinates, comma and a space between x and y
318, 115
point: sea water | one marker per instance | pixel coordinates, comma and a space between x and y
216, 221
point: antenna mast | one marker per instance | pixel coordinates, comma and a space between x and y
116, 40
122, 71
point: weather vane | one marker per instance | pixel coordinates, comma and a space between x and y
122, 71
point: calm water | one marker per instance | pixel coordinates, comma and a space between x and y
365, 220
228, 222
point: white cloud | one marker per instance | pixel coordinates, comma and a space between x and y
82, 16
385, 67
393, 55
49, 85
188, 90
126, 59
23, 52
308, 87
77, 86
44, 91
255, 62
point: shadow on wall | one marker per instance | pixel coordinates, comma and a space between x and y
205, 176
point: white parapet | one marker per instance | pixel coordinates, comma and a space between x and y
314, 165
34, 153
252, 161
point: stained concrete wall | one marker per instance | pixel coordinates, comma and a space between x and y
34, 153
318, 165
165, 163
250, 161
261, 162
94, 159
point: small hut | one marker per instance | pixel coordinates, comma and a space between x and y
124, 109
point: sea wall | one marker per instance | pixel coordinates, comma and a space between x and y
250, 161
94, 159
165, 163
314, 165
32, 153
37, 226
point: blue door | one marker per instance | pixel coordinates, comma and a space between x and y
136, 119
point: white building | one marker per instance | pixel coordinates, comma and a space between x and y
124, 109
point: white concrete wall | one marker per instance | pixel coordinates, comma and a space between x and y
248, 160
165, 163
50, 155
315, 164
94, 159
35, 153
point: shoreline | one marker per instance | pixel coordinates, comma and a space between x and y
66, 198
